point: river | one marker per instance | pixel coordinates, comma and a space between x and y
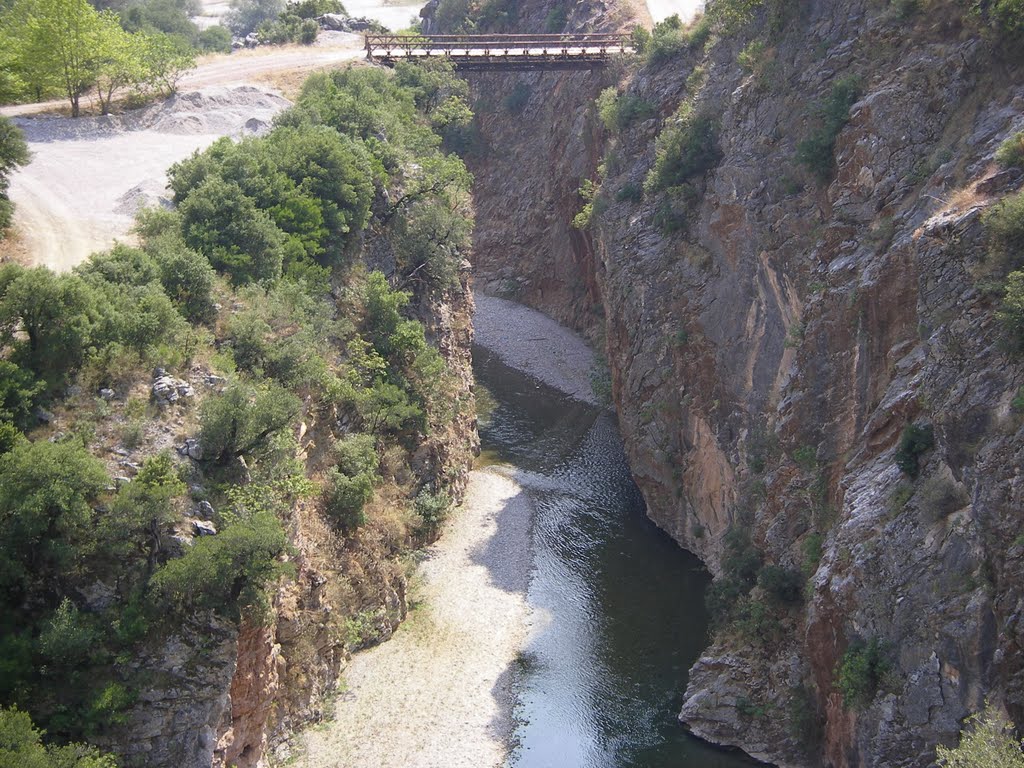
616, 610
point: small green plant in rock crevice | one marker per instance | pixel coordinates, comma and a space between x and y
816, 152
860, 672
914, 441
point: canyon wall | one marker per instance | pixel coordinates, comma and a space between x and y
768, 351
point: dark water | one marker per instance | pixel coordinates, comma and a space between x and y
619, 607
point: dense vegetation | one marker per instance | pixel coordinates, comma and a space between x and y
94, 567
67, 47
13, 153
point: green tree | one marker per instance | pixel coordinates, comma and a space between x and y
55, 314
243, 419
227, 573
987, 741
19, 391
13, 153
21, 746
47, 493
118, 61
1011, 313
219, 221
64, 45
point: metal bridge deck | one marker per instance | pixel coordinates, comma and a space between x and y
509, 52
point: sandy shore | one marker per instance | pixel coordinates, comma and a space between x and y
439, 693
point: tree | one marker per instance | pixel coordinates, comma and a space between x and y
163, 60
55, 312
246, 15
118, 61
221, 222
47, 491
21, 746
987, 742
13, 153
65, 40
243, 419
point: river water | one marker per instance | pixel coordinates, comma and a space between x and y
617, 610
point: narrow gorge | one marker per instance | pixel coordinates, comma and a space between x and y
669, 412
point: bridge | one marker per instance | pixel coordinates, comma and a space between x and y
508, 52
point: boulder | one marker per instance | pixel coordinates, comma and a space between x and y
204, 528
168, 390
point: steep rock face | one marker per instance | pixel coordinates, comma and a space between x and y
767, 358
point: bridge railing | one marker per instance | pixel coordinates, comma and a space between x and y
388, 45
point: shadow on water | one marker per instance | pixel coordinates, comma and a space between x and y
617, 607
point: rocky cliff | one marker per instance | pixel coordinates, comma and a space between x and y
772, 331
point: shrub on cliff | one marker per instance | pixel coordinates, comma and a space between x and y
1004, 229
619, 111
914, 441
987, 741
816, 152
687, 147
243, 419
21, 746
782, 584
1011, 313
1011, 152
345, 497
860, 672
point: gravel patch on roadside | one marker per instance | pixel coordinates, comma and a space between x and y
533, 343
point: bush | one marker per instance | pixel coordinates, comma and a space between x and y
1004, 229
19, 392
630, 192
345, 497
860, 672
619, 111
783, 584
186, 276
811, 548
1008, 17
238, 238
721, 599
817, 151
1011, 152
987, 741
215, 39
914, 441
13, 153
226, 573
741, 559
686, 147
356, 454
432, 508
517, 99
21, 746
670, 38
243, 419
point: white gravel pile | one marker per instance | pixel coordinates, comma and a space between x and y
88, 177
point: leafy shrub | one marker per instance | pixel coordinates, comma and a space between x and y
817, 151
186, 276
630, 192
1011, 152
238, 238
345, 497
685, 148
13, 153
806, 457
671, 38
357, 454
741, 559
1008, 17
675, 208
226, 573
242, 420
432, 508
619, 111
750, 57
21, 746
783, 584
987, 741
19, 392
903, 493
722, 597
811, 548
517, 99
215, 39
1004, 230
1011, 312
47, 492
914, 441
756, 622
556, 19
860, 672
431, 240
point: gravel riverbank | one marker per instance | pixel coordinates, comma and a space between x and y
439, 693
